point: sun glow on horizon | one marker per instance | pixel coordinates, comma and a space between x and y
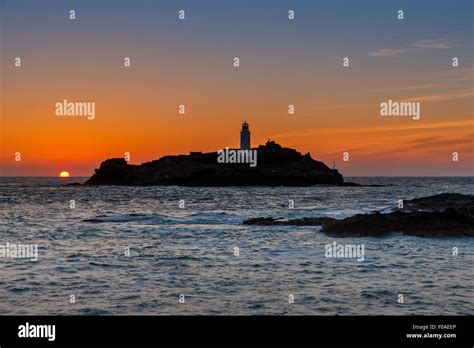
64, 175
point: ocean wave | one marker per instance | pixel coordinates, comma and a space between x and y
157, 219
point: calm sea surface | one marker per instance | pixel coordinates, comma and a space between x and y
190, 251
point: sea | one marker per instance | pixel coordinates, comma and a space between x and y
169, 250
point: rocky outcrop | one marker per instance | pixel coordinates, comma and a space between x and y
353, 184
316, 221
276, 166
439, 202
450, 222
443, 215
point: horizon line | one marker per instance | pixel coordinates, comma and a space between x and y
348, 176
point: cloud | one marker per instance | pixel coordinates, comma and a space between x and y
408, 143
458, 74
404, 88
468, 93
385, 52
415, 46
430, 44
439, 142
337, 106
314, 132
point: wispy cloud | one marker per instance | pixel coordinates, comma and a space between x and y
404, 88
385, 130
385, 52
429, 44
338, 106
468, 93
442, 85
415, 46
409, 142
458, 74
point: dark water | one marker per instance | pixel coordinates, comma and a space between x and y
190, 251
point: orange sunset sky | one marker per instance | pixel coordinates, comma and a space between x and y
282, 62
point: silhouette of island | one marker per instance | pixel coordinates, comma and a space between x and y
276, 166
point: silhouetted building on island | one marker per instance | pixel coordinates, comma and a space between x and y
245, 137
276, 166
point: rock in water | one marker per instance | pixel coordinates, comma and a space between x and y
439, 202
443, 215
316, 221
276, 166
450, 222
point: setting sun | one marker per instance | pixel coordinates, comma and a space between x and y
64, 175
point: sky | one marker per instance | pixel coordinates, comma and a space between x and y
282, 62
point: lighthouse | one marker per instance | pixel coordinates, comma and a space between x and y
245, 137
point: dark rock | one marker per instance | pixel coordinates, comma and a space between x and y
93, 220
316, 221
354, 184
446, 214
276, 166
262, 221
439, 202
450, 222
443, 215
351, 184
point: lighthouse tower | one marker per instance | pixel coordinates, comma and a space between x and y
245, 137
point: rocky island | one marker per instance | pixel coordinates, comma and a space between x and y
276, 166
443, 215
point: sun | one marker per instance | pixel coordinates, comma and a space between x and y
64, 175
